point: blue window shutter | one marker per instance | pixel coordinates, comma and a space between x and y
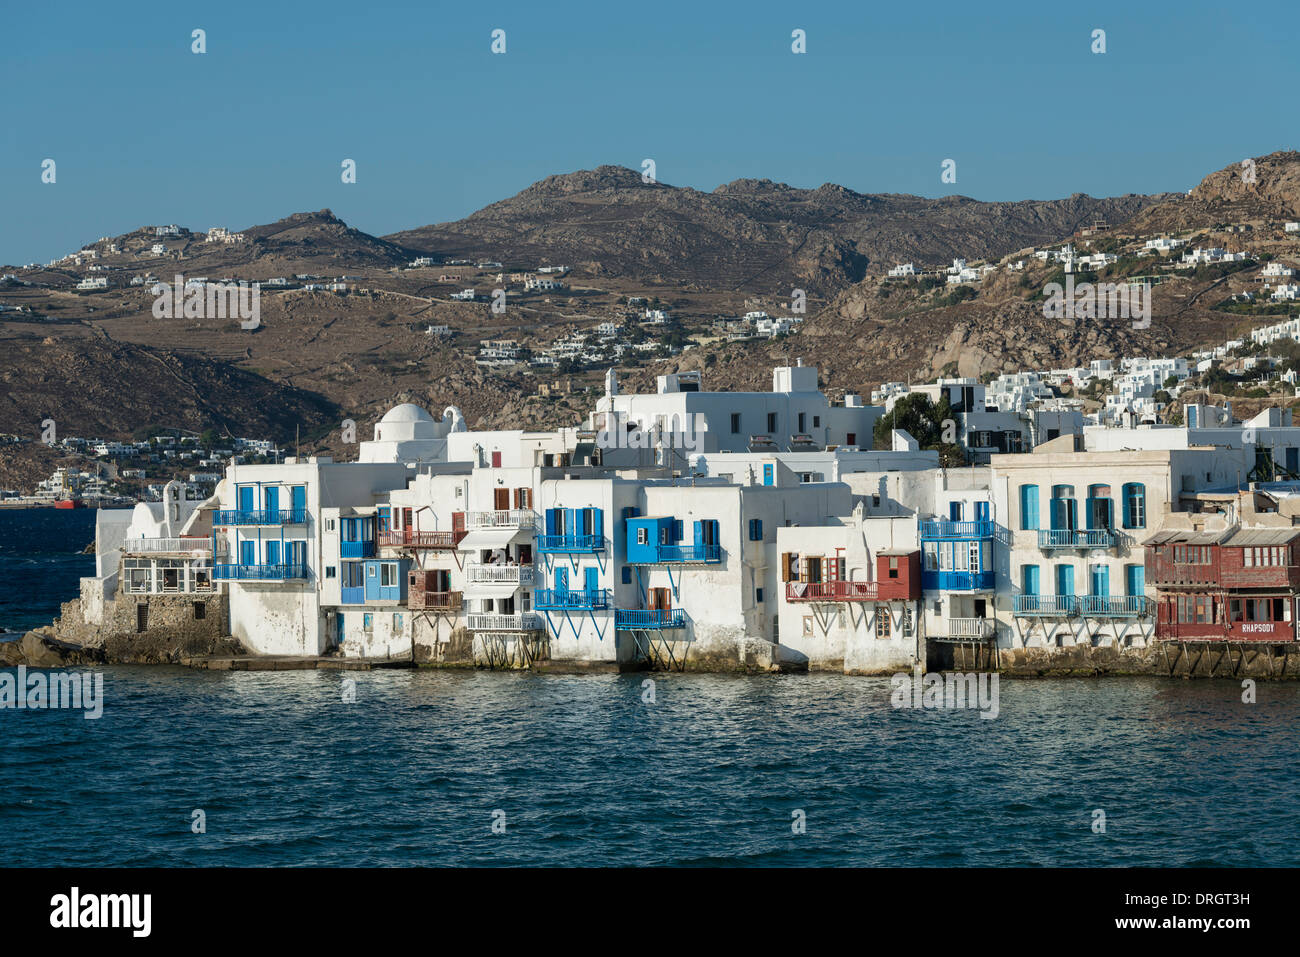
954, 511
247, 552
550, 522
569, 515
699, 532
273, 553
298, 498
591, 579
561, 579
1029, 507
272, 496
677, 529
598, 521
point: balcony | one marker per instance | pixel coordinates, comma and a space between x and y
357, 549
834, 591
434, 601
966, 628
958, 581
476, 572
502, 518
652, 619
411, 538
549, 599
170, 546
1052, 539
352, 595
259, 573
525, 622
698, 553
944, 528
259, 516
1119, 606
570, 544
1045, 606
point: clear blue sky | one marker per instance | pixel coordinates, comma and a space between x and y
144, 131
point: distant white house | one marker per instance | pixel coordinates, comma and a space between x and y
158, 249
1292, 227
1286, 291
93, 282
902, 270
465, 295
1164, 244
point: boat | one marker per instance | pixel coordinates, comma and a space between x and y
69, 502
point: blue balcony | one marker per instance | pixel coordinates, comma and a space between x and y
259, 516
628, 619
958, 581
358, 549
259, 573
938, 529
1045, 606
548, 599
698, 553
1051, 539
570, 544
1118, 606
352, 595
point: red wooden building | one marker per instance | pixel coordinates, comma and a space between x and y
898, 578
1234, 585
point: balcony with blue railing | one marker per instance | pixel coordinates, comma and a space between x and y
1117, 606
941, 529
1052, 539
260, 573
259, 516
698, 553
932, 580
570, 544
1045, 606
550, 599
361, 548
648, 619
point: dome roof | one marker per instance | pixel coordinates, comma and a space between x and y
406, 412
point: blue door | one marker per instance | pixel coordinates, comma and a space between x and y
272, 496
982, 511
299, 498
561, 581
954, 511
1135, 582
1101, 580
1029, 579
769, 474
340, 632
246, 498
273, 552
1065, 580
591, 580
248, 552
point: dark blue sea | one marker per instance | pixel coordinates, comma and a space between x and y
584, 771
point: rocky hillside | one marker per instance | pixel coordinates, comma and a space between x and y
753, 235
1235, 194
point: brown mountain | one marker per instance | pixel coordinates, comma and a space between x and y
1267, 189
748, 235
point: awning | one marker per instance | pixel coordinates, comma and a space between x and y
490, 589
492, 538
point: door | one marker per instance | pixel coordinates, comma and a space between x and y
298, 497
954, 511
660, 600
1101, 580
142, 617
273, 553
248, 552
246, 498
1135, 580
561, 581
339, 634
769, 474
272, 496
591, 580
501, 499
982, 511
1065, 580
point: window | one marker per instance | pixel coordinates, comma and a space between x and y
735, 423
817, 421
758, 595
368, 622
807, 624
329, 524
1029, 507
643, 536
803, 418
882, 624
908, 625
771, 423
330, 571
893, 566
397, 623
755, 529
1135, 505
387, 575
496, 460
370, 571
627, 575
200, 610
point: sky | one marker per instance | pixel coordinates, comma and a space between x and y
143, 130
